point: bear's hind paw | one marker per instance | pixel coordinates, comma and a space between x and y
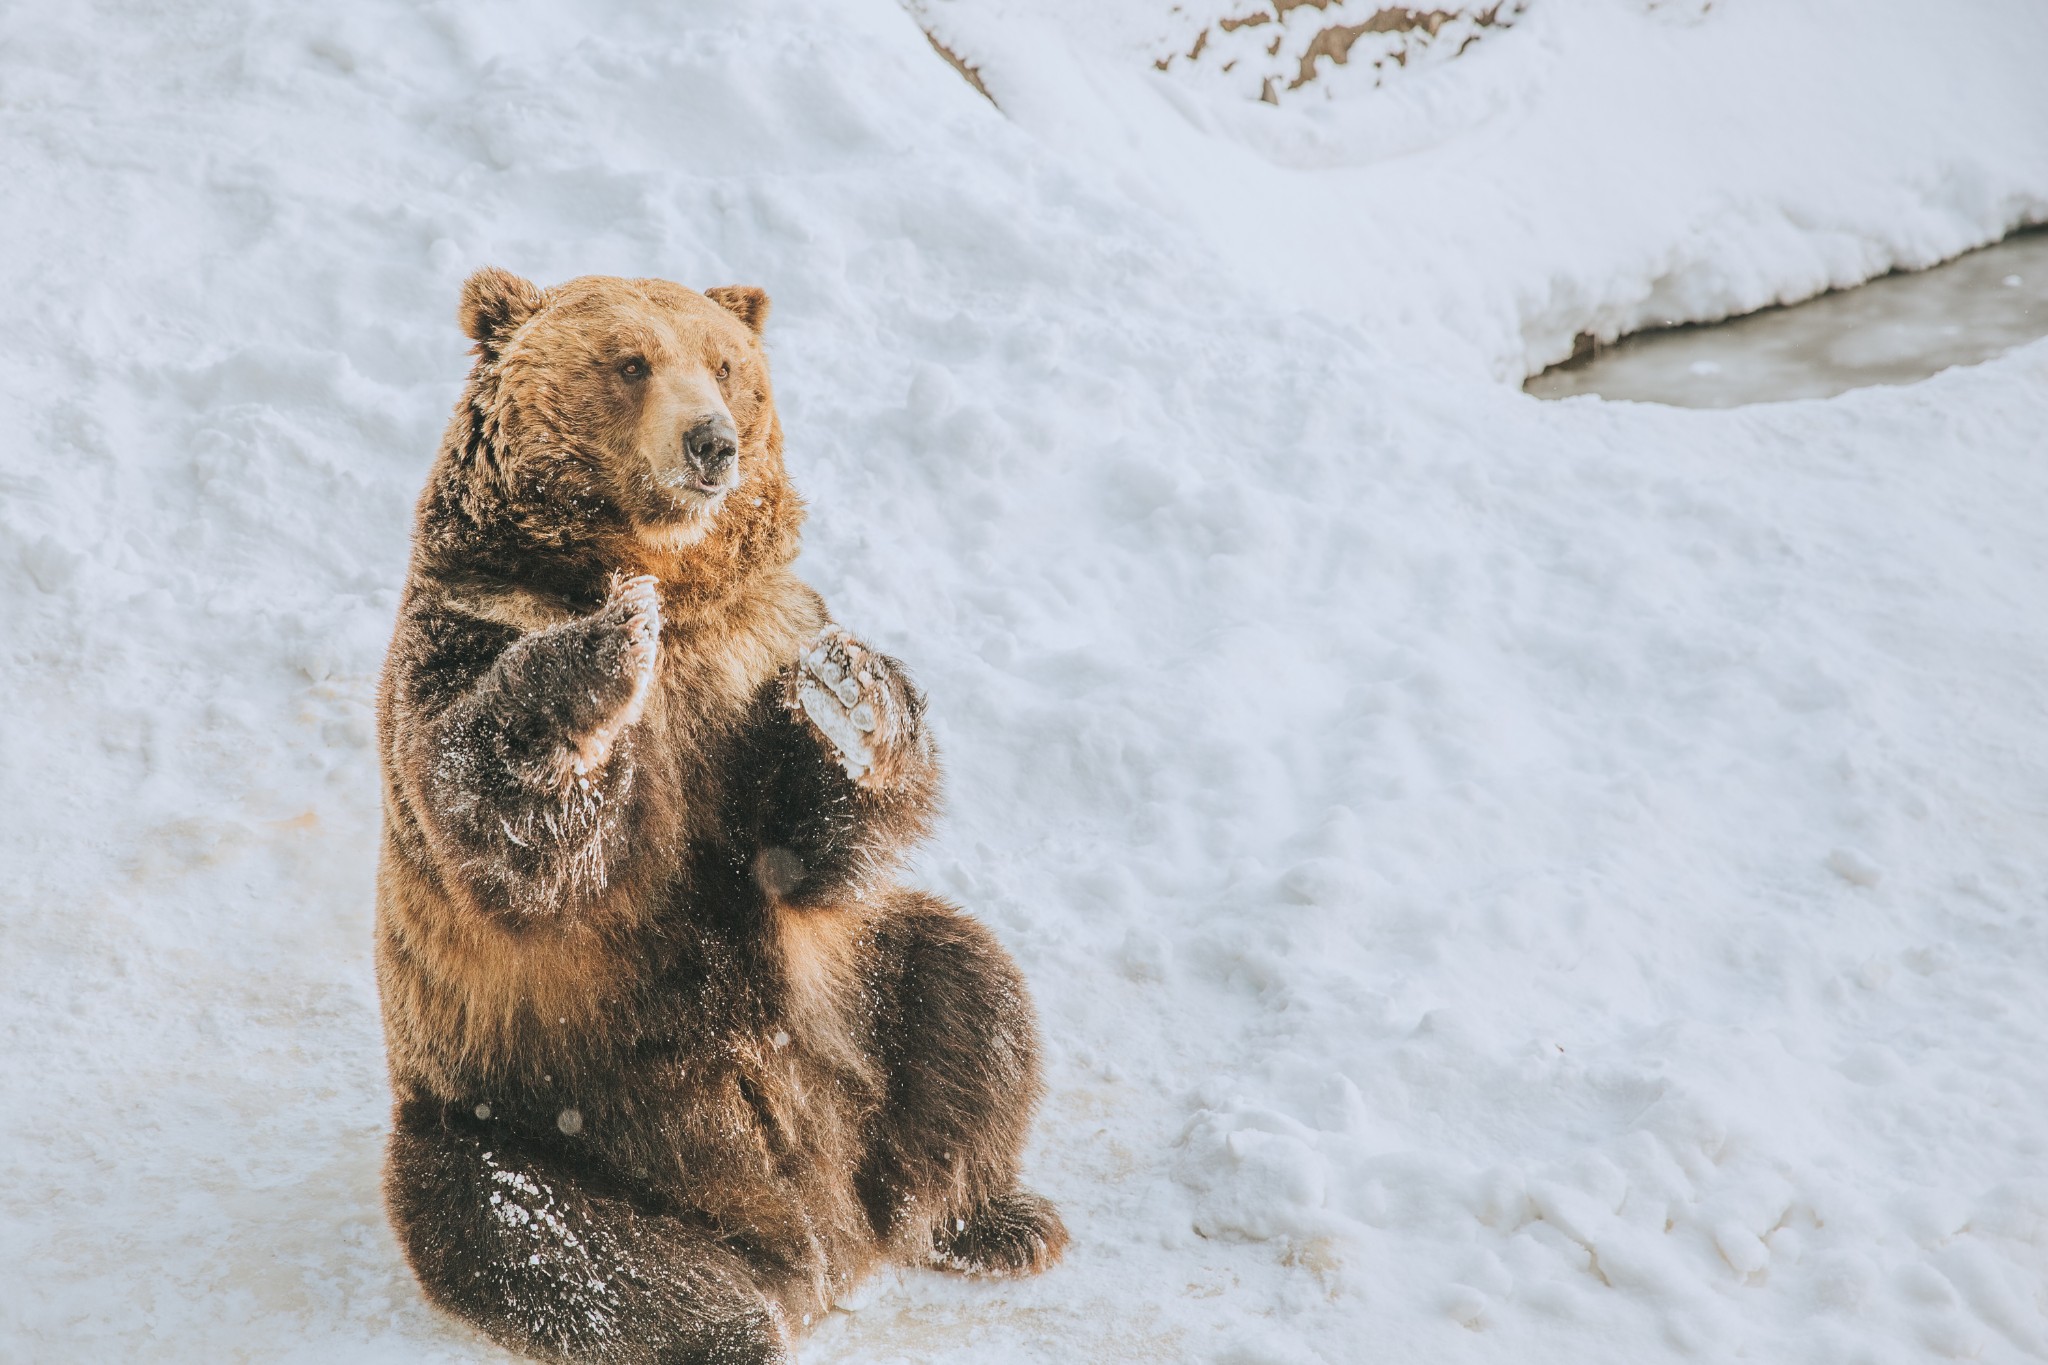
1019, 1233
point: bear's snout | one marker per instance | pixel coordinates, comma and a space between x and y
711, 449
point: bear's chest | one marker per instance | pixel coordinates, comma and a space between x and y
714, 679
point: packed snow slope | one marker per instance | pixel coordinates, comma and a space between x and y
1504, 881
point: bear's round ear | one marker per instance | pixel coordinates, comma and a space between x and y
494, 303
743, 301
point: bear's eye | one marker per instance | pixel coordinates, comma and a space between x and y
724, 370
633, 367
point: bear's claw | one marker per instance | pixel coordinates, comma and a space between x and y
638, 600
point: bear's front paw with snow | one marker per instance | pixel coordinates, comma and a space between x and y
627, 654
635, 604
861, 703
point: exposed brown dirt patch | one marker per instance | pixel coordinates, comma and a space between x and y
971, 73
1281, 45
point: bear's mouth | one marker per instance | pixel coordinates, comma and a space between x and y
693, 495
704, 489
683, 503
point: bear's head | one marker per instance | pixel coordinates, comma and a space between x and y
640, 406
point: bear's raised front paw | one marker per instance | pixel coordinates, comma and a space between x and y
1019, 1233
638, 601
634, 606
851, 694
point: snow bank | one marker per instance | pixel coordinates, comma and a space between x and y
1590, 167
1504, 881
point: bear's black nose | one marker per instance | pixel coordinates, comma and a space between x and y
712, 446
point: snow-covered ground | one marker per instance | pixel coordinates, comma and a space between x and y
1504, 881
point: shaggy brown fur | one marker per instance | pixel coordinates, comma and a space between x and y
675, 1060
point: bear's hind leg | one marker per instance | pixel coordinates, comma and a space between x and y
960, 1047
507, 1237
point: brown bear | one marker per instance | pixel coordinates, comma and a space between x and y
675, 1060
